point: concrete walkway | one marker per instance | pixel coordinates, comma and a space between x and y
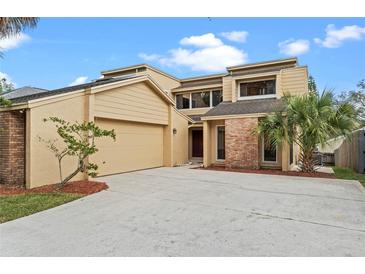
187, 212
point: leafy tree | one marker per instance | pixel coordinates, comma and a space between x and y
357, 99
78, 142
308, 120
312, 86
5, 87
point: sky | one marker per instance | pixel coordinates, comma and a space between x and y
66, 51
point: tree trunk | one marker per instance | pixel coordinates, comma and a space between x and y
80, 167
307, 161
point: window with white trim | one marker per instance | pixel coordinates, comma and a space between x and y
221, 152
269, 151
199, 99
259, 88
183, 101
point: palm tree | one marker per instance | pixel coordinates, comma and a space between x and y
308, 120
10, 26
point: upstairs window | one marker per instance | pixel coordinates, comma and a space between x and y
200, 99
257, 88
217, 97
183, 101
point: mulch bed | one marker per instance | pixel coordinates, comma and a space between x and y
77, 187
274, 172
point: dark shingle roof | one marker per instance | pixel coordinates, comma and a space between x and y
246, 107
99, 82
196, 118
24, 91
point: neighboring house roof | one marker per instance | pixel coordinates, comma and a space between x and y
246, 107
99, 82
24, 91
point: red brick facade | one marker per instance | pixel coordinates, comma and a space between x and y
242, 148
12, 147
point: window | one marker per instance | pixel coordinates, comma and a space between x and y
183, 101
221, 152
268, 151
217, 97
203, 99
200, 99
257, 88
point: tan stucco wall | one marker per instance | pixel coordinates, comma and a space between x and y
288, 80
137, 102
294, 81
227, 88
41, 164
148, 114
210, 141
165, 82
180, 139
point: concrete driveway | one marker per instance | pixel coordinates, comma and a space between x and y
187, 212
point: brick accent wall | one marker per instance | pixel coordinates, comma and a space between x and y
242, 148
12, 148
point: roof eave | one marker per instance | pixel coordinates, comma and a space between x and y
261, 64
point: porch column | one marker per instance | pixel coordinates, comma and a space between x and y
206, 144
285, 156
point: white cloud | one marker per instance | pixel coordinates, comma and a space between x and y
236, 36
207, 40
7, 77
294, 47
13, 41
211, 54
207, 59
79, 80
335, 37
149, 57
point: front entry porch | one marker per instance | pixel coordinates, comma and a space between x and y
232, 143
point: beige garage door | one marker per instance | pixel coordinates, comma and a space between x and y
137, 146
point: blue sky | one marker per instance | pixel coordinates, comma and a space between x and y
62, 50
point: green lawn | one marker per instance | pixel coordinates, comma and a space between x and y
16, 206
349, 174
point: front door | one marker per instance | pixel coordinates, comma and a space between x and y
197, 139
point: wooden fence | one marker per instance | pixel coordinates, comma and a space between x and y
351, 153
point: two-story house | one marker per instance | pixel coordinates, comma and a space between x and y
227, 107
159, 119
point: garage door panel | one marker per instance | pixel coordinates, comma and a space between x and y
137, 146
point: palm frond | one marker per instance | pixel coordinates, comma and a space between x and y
10, 26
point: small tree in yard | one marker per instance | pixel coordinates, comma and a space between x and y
5, 87
79, 142
308, 120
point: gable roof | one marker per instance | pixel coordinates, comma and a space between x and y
99, 82
23, 91
246, 107
121, 69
